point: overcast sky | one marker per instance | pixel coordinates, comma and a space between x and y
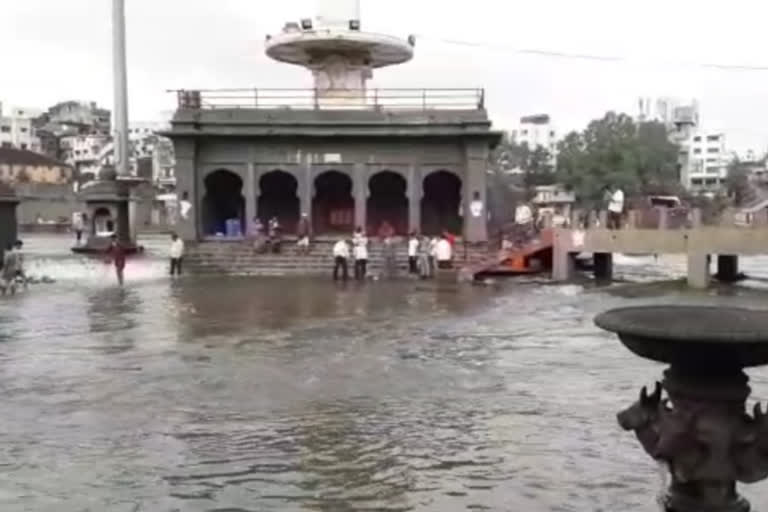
53, 50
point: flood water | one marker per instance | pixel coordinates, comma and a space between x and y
301, 395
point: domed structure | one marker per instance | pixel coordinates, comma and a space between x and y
340, 56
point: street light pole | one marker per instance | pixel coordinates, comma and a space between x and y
120, 121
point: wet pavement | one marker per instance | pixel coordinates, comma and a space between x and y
295, 395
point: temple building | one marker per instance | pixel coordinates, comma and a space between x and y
343, 153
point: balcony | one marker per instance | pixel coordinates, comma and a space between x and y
309, 99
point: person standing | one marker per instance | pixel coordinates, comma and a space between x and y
116, 253
21, 275
176, 253
275, 235
77, 226
304, 232
424, 263
444, 253
615, 208
360, 252
9, 270
340, 258
413, 253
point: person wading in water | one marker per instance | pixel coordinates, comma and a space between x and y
116, 253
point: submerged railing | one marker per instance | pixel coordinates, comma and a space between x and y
313, 99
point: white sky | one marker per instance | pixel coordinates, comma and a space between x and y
53, 50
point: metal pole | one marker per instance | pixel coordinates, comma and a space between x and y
121, 88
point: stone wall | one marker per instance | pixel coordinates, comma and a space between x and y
50, 202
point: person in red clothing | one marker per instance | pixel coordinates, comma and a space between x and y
116, 253
450, 237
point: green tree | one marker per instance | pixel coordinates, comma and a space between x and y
737, 183
615, 150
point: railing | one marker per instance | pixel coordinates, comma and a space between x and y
312, 99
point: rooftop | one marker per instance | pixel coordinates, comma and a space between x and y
24, 157
308, 99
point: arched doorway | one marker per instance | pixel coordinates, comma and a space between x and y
223, 201
333, 207
103, 223
441, 203
278, 198
387, 202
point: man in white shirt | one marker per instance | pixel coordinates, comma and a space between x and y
476, 206
176, 253
413, 253
185, 206
615, 208
444, 253
360, 253
340, 257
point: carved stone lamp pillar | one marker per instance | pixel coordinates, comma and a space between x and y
695, 420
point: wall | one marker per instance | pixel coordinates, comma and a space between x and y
53, 174
49, 201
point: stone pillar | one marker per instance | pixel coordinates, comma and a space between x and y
360, 187
415, 193
563, 266
306, 189
187, 184
663, 218
603, 266
603, 217
728, 268
698, 270
250, 196
696, 219
476, 158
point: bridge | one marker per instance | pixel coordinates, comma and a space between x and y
699, 242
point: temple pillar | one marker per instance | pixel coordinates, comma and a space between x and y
476, 161
187, 189
360, 192
304, 178
250, 196
415, 193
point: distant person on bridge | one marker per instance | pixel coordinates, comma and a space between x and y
615, 208
523, 224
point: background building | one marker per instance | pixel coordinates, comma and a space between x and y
706, 161
537, 131
17, 130
23, 166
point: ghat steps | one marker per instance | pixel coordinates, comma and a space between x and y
240, 258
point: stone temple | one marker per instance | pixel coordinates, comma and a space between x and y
343, 153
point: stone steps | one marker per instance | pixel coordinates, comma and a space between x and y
240, 258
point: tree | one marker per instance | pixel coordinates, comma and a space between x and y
737, 183
535, 163
614, 150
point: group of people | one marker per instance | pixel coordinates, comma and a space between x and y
425, 254
267, 238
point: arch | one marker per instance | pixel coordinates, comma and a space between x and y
387, 202
278, 198
102, 221
441, 203
223, 201
333, 206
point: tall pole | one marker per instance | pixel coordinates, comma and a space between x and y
121, 88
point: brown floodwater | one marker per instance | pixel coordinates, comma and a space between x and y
299, 395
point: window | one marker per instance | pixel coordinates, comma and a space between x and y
713, 170
697, 151
6, 145
23, 146
5, 129
697, 139
696, 181
713, 138
713, 150
711, 160
24, 130
524, 132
